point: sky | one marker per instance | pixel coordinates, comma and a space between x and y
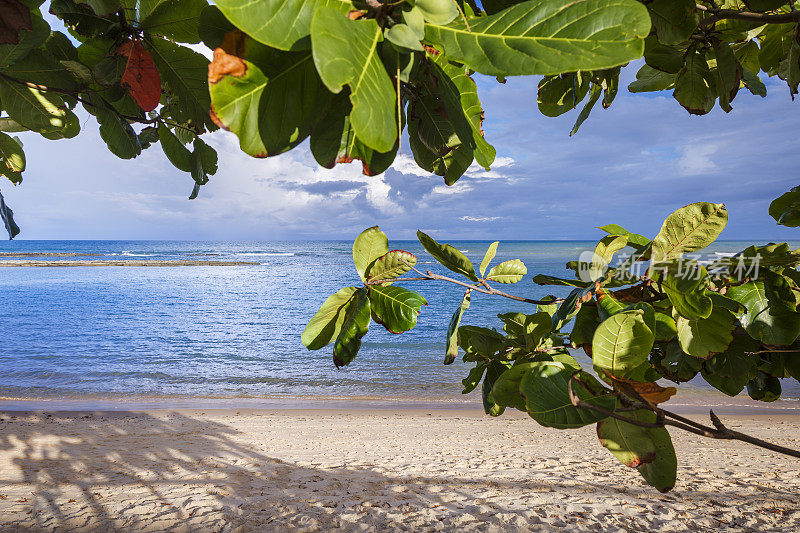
631, 164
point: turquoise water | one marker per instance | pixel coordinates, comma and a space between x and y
230, 332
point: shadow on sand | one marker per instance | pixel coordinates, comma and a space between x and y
136, 471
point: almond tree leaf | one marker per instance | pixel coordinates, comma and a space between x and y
448, 256
558, 94
141, 75
622, 343
282, 24
451, 350
390, 266
369, 246
334, 141
14, 17
12, 156
7, 216
686, 291
346, 53
354, 327
594, 96
770, 316
507, 272
786, 208
689, 229
326, 324
707, 336
118, 135
34, 109
673, 20
635, 241
490, 253
176, 20
176, 152
693, 85
649, 450
730, 370
546, 37
649, 79
251, 84
395, 308
185, 72
437, 11
28, 40
544, 387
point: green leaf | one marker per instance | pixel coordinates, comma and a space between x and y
176, 20
764, 388
346, 53
728, 74
369, 246
251, 84
544, 279
34, 109
507, 272
730, 371
7, 216
594, 96
689, 229
473, 379
354, 327
404, 37
662, 57
707, 336
649, 79
570, 306
282, 24
673, 20
786, 208
603, 254
480, 342
649, 450
437, 11
12, 158
771, 315
448, 256
390, 266
635, 241
333, 141
186, 73
684, 284
490, 253
665, 328
506, 390
122, 141
326, 324
41, 68
395, 308
493, 371
204, 161
544, 387
622, 343
559, 94
451, 350
28, 40
693, 86
586, 322
679, 364
546, 37
176, 152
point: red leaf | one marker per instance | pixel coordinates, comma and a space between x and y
14, 16
141, 75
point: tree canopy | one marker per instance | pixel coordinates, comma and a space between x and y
355, 76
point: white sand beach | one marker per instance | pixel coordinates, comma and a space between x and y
380, 470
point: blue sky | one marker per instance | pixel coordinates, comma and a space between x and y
632, 164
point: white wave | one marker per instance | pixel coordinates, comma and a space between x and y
265, 254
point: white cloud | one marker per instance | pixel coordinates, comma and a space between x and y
468, 218
697, 159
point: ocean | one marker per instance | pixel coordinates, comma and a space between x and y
232, 333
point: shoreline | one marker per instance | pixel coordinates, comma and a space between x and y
693, 401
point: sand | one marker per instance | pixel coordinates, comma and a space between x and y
413, 470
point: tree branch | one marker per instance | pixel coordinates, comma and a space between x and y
430, 276
764, 18
668, 418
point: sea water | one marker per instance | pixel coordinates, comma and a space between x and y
233, 332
